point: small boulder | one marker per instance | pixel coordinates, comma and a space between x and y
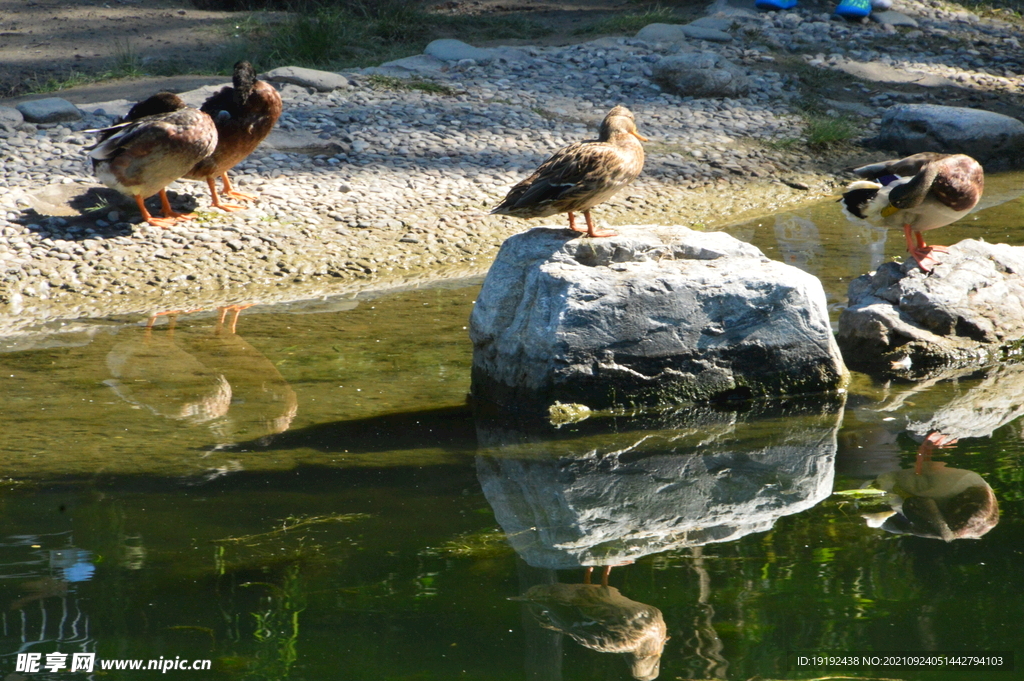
712, 35
657, 316
321, 81
701, 74
995, 140
407, 67
894, 19
662, 33
449, 49
10, 116
49, 110
965, 312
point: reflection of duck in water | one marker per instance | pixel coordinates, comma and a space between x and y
263, 403
151, 370
934, 501
201, 378
602, 619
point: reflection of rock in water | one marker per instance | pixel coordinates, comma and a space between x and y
150, 370
601, 618
612, 497
799, 240
995, 401
937, 502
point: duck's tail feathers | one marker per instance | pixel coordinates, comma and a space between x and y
860, 198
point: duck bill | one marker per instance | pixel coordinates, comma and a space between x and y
639, 136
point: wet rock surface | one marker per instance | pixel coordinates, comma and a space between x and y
968, 310
659, 316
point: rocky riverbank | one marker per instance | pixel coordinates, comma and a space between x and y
386, 183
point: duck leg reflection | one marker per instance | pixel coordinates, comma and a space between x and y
934, 440
237, 309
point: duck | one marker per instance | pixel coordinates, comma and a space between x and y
582, 175
244, 112
159, 141
920, 192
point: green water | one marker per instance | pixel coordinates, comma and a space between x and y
309, 497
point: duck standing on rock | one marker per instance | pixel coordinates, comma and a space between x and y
919, 192
581, 175
244, 113
159, 140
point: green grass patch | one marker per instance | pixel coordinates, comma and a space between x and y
824, 132
393, 83
630, 22
335, 37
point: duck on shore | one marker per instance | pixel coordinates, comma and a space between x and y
159, 141
244, 113
580, 176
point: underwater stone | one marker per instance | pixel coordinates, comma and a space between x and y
661, 315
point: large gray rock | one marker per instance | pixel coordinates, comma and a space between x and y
995, 140
321, 81
616, 494
965, 312
449, 49
49, 110
701, 74
655, 316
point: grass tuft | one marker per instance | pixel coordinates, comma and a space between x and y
393, 83
630, 22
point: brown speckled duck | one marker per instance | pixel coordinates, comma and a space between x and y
581, 175
244, 114
159, 141
920, 192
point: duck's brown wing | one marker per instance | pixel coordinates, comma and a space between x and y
573, 175
902, 167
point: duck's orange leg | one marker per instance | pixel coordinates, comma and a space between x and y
572, 223
169, 212
230, 191
592, 230
920, 251
229, 207
164, 222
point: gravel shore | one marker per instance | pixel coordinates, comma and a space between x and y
392, 186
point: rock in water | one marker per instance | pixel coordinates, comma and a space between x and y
965, 312
662, 315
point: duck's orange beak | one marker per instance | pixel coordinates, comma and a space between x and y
637, 135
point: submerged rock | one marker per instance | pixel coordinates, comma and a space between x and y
655, 316
965, 312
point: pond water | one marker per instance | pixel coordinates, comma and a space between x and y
308, 496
